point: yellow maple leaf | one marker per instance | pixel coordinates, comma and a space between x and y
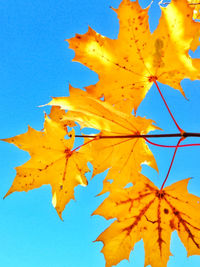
123, 155
145, 212
127, 66
52, 162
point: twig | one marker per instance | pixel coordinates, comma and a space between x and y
185, 134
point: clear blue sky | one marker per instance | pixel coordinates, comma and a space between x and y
35, 65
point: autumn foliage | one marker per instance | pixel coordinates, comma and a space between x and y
127, 67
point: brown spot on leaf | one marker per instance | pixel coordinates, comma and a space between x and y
166, 211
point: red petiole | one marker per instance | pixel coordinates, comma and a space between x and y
156, 84
172, 161
155, 144
76, 148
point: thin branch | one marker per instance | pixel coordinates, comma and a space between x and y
172, 161
184, 134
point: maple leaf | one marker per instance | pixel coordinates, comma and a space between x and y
145, 212
52, 162
123, 155
128, 65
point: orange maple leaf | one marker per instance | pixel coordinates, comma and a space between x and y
128, 65
52, 162
145, 212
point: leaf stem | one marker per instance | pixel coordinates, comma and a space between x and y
155, 144
84, 144
155, 82
172, 161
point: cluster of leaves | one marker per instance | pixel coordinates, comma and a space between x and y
127, 68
